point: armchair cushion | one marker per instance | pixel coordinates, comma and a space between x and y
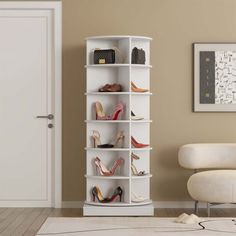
208, 155
215, 186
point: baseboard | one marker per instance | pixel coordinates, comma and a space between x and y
176, 204
157, 204
72, 204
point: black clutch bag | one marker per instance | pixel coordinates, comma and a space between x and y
106, 56
138, 56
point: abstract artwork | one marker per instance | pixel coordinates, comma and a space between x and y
214, 77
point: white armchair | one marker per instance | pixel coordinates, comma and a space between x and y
210, 186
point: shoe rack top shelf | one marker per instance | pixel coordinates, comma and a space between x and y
122, 45
118, 37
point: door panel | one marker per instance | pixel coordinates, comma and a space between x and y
25, 92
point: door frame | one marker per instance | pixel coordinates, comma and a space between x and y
56, 8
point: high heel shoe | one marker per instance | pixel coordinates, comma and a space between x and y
118, 110
134, 117
133, 167
103, 170
100, 114
96, 138
136, 144
96, 193
135, 89
97, 142
118, 192
136, 198
136, 172
119, 142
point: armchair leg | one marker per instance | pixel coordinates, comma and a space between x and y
208, 209
196, 208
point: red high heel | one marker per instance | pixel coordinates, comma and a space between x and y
136, 144
100, 115
119, 108
118, 192
103, 170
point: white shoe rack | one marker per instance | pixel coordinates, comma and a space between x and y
122, 72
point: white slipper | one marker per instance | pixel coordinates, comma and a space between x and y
188, 219
195, 218
181, 218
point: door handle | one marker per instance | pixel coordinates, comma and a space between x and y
49, 117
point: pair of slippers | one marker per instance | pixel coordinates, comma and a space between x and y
188, 219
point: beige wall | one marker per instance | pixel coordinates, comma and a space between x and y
174, 26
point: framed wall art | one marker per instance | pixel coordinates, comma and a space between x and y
214, 77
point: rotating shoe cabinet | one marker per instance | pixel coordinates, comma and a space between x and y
122, 72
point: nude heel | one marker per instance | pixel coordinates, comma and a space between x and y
96, 138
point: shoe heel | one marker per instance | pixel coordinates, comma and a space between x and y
120, 195
94, 143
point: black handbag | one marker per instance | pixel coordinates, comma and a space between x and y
104, 56
138, 56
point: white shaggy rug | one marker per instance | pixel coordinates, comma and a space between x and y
136, 226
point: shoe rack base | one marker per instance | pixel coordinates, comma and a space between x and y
144, 210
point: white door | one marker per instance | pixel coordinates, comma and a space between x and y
27, 90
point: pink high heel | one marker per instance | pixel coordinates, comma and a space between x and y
100, 114
103, 170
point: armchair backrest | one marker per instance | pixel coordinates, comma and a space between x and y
208, 155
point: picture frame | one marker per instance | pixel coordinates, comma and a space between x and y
214, 77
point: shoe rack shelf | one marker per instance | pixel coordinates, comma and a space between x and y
118, 149
122, 72
117, 93
119, 65
118, 121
